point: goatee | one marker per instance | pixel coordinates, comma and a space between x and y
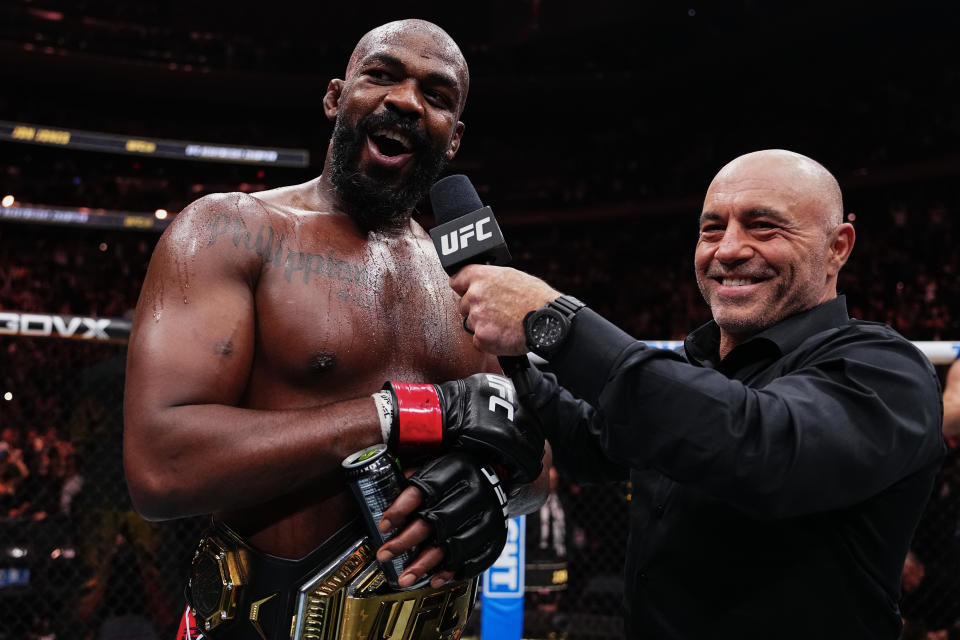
372, 199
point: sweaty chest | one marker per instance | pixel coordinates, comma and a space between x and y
342, 320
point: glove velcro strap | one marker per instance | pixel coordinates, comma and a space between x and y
418, 419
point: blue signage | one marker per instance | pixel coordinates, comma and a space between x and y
14, 577
502, 609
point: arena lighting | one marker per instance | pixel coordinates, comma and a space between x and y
160, 214
8, 396
7, 201
82, 216
16, 552
53, 16
156, 147
103, 246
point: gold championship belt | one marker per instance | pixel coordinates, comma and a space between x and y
337, 591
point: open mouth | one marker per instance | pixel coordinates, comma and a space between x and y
391, 143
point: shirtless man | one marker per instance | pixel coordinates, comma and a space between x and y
265, 323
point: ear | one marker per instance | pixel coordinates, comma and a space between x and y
331, 99
841, 244
455, 141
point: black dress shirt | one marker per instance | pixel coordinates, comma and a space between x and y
775, 492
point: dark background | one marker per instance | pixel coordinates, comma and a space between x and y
593, 129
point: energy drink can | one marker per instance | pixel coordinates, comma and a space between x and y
376, 481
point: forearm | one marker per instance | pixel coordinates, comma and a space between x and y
195, 459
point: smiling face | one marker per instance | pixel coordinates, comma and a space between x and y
771, 242
396, 119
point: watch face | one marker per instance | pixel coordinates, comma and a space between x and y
547, 330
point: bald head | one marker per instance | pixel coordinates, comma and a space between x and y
772, 242
807, 180
434, 42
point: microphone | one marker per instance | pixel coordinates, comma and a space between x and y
468, 233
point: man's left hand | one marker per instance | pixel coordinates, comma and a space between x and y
461, 513
494, 301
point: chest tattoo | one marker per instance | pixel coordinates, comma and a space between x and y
268, 244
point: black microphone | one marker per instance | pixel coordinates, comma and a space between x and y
468, 233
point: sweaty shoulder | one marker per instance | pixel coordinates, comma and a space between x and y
236, 230
204, 221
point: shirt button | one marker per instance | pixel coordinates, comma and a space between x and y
660, 510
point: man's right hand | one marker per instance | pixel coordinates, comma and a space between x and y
480, 414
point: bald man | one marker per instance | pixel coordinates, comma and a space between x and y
265, 323
781, 462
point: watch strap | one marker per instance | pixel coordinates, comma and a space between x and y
567, 305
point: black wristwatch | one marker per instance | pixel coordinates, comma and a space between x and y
547, 327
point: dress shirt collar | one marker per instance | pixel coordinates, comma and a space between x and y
702, 346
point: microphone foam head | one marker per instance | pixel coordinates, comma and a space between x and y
452, 197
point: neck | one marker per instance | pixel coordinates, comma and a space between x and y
727, 344
327, 193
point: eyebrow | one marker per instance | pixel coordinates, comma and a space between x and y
756, 212
435, 77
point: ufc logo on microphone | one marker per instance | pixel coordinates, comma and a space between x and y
504, 397
459, 239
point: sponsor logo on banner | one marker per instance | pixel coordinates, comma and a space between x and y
40, 324
505, 578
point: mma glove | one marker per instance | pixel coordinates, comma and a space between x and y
467, 508
480, 414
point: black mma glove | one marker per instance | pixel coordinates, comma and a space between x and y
480, 414
467, 508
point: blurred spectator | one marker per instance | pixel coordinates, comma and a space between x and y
546, 565
951, 401
112, 537
932, 603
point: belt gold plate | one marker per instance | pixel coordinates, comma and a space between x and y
349, 600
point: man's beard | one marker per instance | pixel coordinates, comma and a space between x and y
372, 200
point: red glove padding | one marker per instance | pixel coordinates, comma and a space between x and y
480, 414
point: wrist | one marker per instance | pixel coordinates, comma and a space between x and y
546, 329
416, 417
385, 413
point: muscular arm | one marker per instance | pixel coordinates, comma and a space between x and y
188, 446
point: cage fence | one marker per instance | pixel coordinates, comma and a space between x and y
79, 563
